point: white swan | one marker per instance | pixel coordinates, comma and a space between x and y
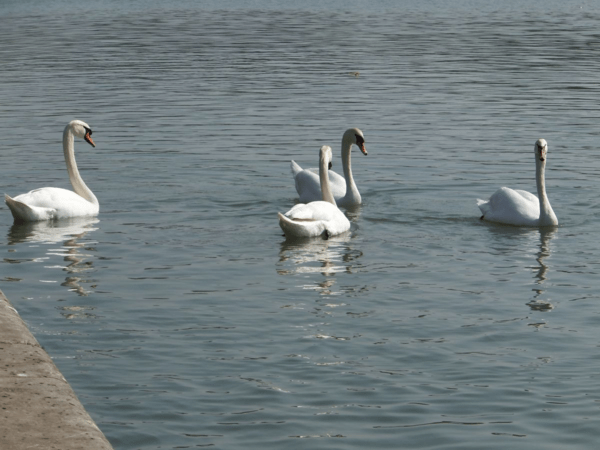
319, 217
344, 190
516, 207
56, 203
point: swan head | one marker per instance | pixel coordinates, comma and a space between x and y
541, 150
355, 136
325, 156
82, 130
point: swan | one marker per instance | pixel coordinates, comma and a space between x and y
344, 190
521, 208
320, 217
56, 203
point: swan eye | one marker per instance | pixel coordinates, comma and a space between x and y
88, 131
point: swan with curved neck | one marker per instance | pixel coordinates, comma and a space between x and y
56, 203
318, 218
344, 189
521, 208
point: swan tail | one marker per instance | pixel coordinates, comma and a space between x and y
24, 213
484, 206
300, 229
296, 169
20, 211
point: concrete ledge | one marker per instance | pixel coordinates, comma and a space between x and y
38, 408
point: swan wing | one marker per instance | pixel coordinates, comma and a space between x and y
527, 196
62, 202
512, 207
313, 211
24, 213
308, 184
298, 229
338, 186
301, 211
312, 219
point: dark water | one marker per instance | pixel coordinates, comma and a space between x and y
181, 316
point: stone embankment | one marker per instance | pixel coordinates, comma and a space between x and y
38, 408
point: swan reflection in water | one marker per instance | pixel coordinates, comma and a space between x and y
546, 235
536, 242
67, 232
313, 256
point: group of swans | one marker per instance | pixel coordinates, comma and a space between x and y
507, 206
322, 216
324, 193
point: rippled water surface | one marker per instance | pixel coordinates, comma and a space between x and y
182, 317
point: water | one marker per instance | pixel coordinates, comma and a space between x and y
181, 316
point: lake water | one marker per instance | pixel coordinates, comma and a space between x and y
181, 316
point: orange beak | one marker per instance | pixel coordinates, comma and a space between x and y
363, 149
88, 138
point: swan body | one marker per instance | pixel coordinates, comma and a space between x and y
521, 208
344, 189
316, 218
56, 203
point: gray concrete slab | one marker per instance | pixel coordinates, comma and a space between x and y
38, 408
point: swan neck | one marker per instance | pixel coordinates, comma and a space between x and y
79, 186
547, 216
351, 189
324, 179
